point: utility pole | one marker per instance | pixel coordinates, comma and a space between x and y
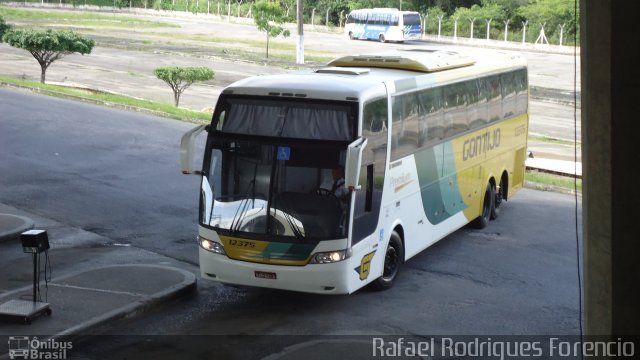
300, 43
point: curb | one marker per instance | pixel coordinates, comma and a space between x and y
98, 323
551, 188
13, 233
555, 96
133, 309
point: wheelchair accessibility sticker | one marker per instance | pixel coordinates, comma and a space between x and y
284, 152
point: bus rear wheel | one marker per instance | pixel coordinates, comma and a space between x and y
487, 208
382, 38
351, 37
498, 199
392, 260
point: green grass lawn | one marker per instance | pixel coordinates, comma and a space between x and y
158, 108
77, 18
558, 181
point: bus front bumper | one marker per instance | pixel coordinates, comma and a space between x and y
312, 278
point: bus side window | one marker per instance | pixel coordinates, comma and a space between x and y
473, 98
430, 116
483, 110
220, 120
522, 92
374, 156
494, 98
508, 95
405, 136
455, 118
397, 125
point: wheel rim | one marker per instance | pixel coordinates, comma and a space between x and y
390, 263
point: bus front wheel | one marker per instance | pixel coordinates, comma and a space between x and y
487, 208
351, 37
382, 38
392, 260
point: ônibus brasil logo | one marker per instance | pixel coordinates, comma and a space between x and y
24, 347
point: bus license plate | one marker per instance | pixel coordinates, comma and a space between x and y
265, 275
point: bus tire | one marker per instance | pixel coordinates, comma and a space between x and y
393, 258
498, 199
351, 37
487, 208
382, 38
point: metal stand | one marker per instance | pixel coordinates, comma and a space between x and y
24, 310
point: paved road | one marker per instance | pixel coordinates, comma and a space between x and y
110, 172
505, 280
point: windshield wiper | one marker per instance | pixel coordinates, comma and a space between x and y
294, 227
236, 222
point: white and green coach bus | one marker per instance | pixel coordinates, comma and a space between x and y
429, 141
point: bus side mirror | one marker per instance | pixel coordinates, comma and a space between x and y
352, 164
186, 150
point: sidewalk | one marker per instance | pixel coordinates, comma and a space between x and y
90, 280
555, 166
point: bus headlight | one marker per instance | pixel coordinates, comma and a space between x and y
210, 245
329, 257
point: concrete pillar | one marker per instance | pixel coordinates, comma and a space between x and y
610, 59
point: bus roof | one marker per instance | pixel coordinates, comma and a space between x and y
358, 77
418, 60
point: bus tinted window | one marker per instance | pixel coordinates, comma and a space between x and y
406, 131
508, 95
522, 91
374, 155
431, 115
473, 98
455, 118
481, 106
411, 19
494, 98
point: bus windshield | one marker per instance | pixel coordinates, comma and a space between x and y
274, 192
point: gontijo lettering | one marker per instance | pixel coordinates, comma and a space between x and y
480, 144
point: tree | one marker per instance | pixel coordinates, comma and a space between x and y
4, 27
48, 46
180, 78
553, 13
509, 7
269, 17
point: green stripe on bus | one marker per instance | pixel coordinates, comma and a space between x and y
440, 196
284, 251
